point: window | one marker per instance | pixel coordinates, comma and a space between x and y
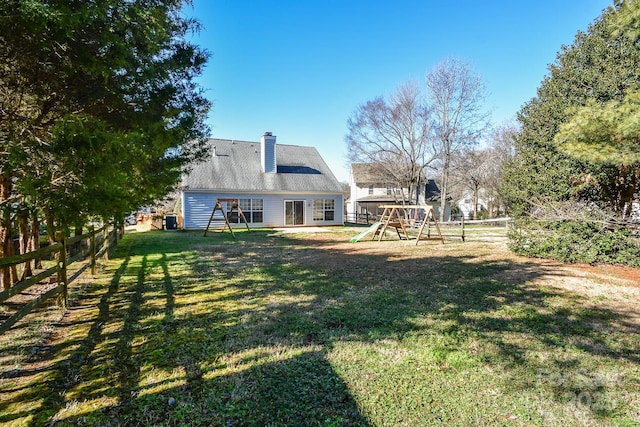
370, 190
389, 190
323, 210
252, 210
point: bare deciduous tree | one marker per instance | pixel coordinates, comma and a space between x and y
500, 149
456, 93
467, 175
394, 136
478, 171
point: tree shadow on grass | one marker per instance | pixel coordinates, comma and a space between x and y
281, 306
300, 390
65, 372
106, 365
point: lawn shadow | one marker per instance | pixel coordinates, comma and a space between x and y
281, 305
72, 354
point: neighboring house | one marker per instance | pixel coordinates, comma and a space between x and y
489, 205
276, 185
635, 211
466, 204
370, 190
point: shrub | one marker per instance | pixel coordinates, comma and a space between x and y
575, 241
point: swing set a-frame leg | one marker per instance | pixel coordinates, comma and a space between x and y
425, 222
226, 221
234, 206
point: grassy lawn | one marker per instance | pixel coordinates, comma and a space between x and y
308, 329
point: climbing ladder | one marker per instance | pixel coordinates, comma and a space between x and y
219, 207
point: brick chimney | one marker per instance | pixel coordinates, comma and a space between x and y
268, 152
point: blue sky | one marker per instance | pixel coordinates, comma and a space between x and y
300, 68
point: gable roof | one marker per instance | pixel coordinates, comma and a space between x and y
367, 173
370, 173
237, 166
432, 192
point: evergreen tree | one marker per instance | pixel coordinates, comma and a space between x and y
99, 111
599, 67
608, 134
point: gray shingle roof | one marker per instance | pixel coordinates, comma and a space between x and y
368, 173
432, 192
237, 167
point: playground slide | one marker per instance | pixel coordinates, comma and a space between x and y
371, 229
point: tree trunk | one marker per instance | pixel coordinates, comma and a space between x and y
51, 227
475, 200
23, 227
626, 188
444, 187
34, 240
492, 208
6, 240
5, 236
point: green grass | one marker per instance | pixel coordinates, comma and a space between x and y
271, 329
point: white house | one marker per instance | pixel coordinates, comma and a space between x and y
635, 211
369, 190
489, 203
276, 185
466, 204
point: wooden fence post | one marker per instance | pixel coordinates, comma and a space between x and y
59, 269
62, 263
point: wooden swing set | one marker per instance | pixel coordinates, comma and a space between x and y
234, 207
396, 216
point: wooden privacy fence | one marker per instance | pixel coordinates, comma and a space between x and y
79, 250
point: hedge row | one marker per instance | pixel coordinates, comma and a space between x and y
575, 241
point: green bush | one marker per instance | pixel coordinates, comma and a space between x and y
574, 241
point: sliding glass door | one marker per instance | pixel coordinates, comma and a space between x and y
294, 212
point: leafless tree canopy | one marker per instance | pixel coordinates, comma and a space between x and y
412, 130
457, 95
499, 150
393, 134
476, 173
